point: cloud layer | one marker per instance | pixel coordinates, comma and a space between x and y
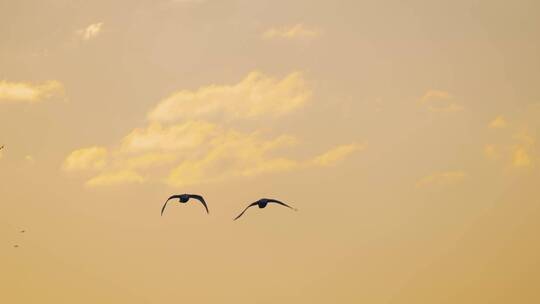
190, 138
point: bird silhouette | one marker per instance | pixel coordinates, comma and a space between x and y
23, 231
262, 204
15, 246
183, 198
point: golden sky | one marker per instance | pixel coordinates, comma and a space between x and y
405, 132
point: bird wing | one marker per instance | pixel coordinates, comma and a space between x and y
170, 198
281, 203
250, 205
201, 199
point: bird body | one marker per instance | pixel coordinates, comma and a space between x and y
184, 198
262, 203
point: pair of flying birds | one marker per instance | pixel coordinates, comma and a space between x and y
184, 198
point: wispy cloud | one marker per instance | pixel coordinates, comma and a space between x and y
29, 92
498, 123
441, 178
92, 158
111, 178
296, 31
440, 101
336, 154
521, 152
521, 157
517, 147
191, 139
254, 96
91, 31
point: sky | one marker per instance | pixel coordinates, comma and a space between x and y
405, 132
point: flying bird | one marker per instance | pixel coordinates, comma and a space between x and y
262, 204
183, 198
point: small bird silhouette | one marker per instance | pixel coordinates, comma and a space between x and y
16, 246
183, 198
262, 204
23, 231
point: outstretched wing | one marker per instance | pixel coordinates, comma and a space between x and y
201, 199
250, 205
165, 205
281, 203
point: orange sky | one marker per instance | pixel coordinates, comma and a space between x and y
405, 133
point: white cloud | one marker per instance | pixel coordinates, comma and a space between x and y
29, 92
254, 96
291, 32
91, 31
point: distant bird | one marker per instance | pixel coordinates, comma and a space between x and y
23, 231
262, 204
183, 198
16, 246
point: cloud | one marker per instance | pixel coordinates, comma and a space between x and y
254, 96
442, 178
234, 154
115, 178
225, 154
92, 158
291, 32
439, 101
517, 147
521, 152
190, 138
29, 159
169, 138
498, 123
336, 154
91, 31
28, 92
521, 157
